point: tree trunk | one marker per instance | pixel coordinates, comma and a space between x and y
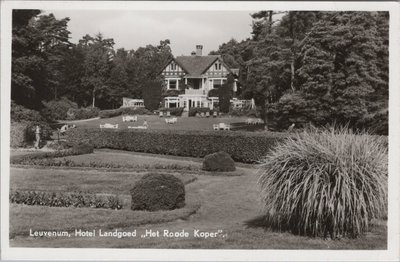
292, 74
93, 98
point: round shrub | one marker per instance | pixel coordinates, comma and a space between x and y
57, 109
156, 191
82, 113
22, 114
325, 183
220, 161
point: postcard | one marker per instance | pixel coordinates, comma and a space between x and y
200, 130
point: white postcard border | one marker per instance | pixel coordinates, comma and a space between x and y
392, 252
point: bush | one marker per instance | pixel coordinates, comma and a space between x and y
59, 199
174, 111
31, 159
57, 109
82, 113
22, 114
23, 133
329, 182
219, 161
158, 192
58, 145
18, 135
194, 110
242, 146
244, 112
124, 111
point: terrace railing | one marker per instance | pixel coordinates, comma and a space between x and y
195, 92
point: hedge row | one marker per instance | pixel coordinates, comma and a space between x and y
28, 159
23, 133
18, 135
62, 162
173, 111
242, 146
124, 111
194, 110
82, 113
59, 199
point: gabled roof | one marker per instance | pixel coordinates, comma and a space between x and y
195, 66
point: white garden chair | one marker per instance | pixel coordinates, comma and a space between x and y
129, 119
168, 113
215, 126
173, 120
207, 114
137, 127
109, 126
161, 114
63, 129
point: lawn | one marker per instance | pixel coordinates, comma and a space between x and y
227, 203
184, 123
90, 181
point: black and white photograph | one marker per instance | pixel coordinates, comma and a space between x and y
150, 128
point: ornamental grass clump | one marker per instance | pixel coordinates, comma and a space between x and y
329, 182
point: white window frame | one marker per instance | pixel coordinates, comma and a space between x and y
177, 83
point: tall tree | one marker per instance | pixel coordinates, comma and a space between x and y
38, 47
340, 69
225, 94
118, 81
97, 65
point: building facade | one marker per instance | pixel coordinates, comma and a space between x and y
195, 75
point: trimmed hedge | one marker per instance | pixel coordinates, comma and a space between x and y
29, 159
82, 113
57, 109
23, 133
63, 162
18, 134
194, 110
59, 199
219, 161
241, 146
23, 114
124, 111
155, 192
174, 111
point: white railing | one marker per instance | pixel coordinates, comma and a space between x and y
195, 92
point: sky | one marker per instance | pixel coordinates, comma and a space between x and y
185, 29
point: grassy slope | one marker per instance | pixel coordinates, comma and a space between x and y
122, 158
227, 203
148, 161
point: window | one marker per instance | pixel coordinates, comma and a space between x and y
173, 66
172, 84
218, 66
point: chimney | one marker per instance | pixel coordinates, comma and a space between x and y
199, 50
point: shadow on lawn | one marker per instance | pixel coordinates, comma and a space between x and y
242, 126
257, 222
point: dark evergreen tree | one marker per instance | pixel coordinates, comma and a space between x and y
152, 94
225, 94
